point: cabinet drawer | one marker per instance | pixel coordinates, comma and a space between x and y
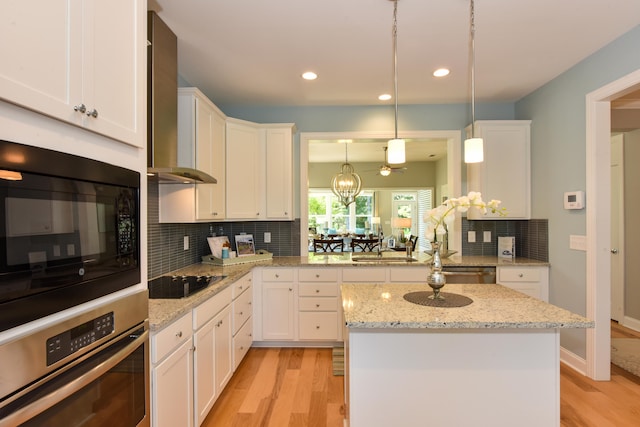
242, 343
205, 311
241, 285
277, 275
318, 289
318, 274
364, 275
242, 307
318, 303
318, 326
170, 337
408, 274
518, 274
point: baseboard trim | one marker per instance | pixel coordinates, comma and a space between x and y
631, 323
574, 361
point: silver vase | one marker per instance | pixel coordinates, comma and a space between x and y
436, 278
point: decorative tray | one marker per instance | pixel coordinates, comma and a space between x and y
210, 259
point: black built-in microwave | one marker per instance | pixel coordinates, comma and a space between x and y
69, 231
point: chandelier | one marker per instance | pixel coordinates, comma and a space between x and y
346, 184
473, 147
396, 153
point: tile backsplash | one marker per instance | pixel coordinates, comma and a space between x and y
166, 241
532, 237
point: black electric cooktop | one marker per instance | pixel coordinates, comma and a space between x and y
174, 287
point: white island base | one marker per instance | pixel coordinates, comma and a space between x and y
452, 377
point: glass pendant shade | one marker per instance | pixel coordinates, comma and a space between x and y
395, 151
385, 171
346, 184
473, 151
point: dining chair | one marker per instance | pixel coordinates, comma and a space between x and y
364, 245
328, 245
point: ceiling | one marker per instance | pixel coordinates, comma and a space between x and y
372, 150
252, 52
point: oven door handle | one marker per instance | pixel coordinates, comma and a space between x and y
36, 407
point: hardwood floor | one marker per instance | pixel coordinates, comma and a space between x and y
296, 387
281, 387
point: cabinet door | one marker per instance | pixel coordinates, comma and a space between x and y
115, 69
172, 389
204, 371
245, 159
223, 348
204, 159
87, 63
505, 173
38, 38
279, 181
278, 311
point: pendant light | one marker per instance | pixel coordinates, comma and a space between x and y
396, 146
346, 184
473, 147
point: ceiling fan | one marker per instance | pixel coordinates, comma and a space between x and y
386, 170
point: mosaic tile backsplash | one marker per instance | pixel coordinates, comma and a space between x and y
166, 253
532, 237
165, 245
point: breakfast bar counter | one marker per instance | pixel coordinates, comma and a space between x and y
495, 361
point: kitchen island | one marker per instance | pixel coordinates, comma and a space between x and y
494, 362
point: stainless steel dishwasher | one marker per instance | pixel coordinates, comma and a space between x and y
467, 274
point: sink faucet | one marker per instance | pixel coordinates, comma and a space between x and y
380, 238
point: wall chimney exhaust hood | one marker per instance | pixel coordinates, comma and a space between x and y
162, 108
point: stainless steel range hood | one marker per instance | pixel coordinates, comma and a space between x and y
162, 108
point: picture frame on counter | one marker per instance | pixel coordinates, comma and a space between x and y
245, 245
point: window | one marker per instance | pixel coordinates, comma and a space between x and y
328, 216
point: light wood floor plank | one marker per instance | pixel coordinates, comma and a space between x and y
297, 388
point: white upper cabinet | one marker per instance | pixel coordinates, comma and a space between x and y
245, 169
505, 174
201, 145
279, 175
259, 170
83, 62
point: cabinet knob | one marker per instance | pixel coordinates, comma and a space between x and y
240, 287
250, 335
241, 347
317, 305
179, 334
520, 275
92, 113
290, 290
318, 327
317, 291
81, 108
241, 313
614, 251
277, 276
249, 303
257, 213
317, 276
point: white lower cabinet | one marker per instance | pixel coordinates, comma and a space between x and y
212, 351
194, 357
172, 375
530, 280
279, 292
319, 311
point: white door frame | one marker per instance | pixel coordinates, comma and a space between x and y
598, 263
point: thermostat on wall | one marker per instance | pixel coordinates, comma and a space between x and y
574, 200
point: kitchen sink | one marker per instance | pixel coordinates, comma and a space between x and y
382, 259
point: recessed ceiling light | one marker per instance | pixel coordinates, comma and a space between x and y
384, 97
441, 72
309, 75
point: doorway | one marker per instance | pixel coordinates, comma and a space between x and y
598, 154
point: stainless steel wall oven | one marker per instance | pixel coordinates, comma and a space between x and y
90, 370
69, 231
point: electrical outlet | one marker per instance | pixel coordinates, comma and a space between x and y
267, 237
186, 243
486, 236
471, 236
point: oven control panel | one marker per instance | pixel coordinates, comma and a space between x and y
74, 339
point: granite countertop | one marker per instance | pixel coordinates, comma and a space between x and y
382, 306
164, 311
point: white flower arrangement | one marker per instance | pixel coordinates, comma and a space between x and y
440, 218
